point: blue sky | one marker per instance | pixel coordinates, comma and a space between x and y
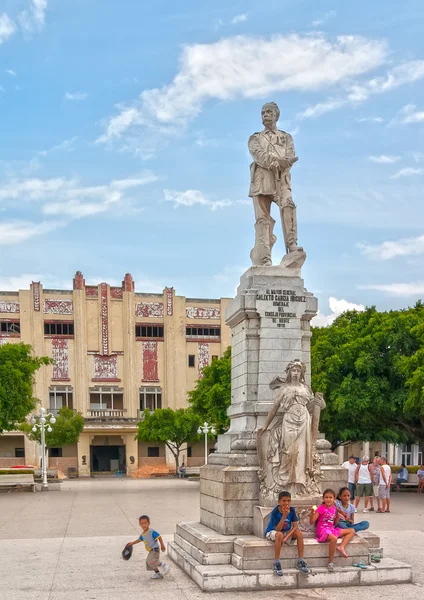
123, 142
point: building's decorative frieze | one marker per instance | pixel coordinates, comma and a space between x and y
203, 357
199, 312
92, 291
79, 281
150, 361
169, 301
60, 355
149, 309
9, 307
116, 293
58, 307
36, 295
128, 283
104, 319
106, 368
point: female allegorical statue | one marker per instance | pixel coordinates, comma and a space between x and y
286, 443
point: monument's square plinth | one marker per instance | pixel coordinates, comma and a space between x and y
273, 443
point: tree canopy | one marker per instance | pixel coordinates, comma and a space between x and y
212, 395
171, 427
66, 430
17, 368
370, 367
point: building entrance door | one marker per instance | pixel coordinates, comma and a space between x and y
107, 459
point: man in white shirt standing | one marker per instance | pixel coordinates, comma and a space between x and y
350, 465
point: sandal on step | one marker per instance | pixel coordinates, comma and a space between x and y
360, 565
330, 567
375, 558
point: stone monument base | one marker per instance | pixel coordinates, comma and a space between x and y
219, 562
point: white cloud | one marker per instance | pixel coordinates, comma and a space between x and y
75, 96
370, 120
22, 282
7, 28
403, 74
68, 198
397, 289
247, 67
15, 232
230, 273
193, 197
33, 17
337, 307
408, 114
10, 72
326, 17
384, 159
239, 19
66, 145
407, 172
386, 250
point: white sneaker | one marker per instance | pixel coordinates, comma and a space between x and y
365, 510
157, 576
165, 568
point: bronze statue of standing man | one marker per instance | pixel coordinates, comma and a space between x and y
273, 154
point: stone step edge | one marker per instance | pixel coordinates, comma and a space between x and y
229, 578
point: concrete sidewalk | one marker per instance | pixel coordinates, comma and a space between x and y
66, 545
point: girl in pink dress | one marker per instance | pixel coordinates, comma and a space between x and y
326, 517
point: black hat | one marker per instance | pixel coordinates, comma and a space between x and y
127, 552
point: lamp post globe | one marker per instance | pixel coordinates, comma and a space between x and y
44, 420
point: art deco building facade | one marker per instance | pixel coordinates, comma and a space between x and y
116, 353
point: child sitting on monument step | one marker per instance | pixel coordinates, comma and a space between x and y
283, 528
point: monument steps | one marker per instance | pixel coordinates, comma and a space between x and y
226, 577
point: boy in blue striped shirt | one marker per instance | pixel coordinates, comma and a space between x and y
154, 544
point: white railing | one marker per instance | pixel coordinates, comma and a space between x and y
108, 412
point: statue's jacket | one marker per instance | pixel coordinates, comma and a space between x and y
265, 147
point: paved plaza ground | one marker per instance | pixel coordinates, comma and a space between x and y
66, 545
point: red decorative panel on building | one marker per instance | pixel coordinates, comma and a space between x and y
9, 307
128, 283
105, 320
58, 307
150, 361
36, 295
169, 301
149, 309
116, 293
79, 281
203, 357
106, 368
92, 291
199, 312
60, 356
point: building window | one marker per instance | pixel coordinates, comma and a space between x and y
153, 451
106, 398
60, 396
59, 328
19, 452
149, 332
407, 454
189, 451
150, 398
10, 327
55, 452
191, 360
202, 332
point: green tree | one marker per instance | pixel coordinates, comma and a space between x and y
370, 367
17, 368
170, 427
212, 395
66, 430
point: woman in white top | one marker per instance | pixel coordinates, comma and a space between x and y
384, 487
364, 483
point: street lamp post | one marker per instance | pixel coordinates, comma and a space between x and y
44, 419
205, 428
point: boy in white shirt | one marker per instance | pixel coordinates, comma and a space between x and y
350, 465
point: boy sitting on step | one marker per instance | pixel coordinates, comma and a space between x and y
283, 528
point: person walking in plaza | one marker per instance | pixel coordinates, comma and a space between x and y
420, 479
402, 476
347, 511
326, 517
363, 478
350, 465
283, 529
384, 487
154, 545
376, 476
